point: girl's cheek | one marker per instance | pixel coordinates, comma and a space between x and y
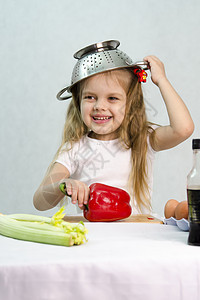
85, 105
122, 110
85, 111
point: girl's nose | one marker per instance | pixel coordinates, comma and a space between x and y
100, 104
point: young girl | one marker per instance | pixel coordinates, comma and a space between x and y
107, 138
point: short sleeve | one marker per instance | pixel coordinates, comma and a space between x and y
68, 158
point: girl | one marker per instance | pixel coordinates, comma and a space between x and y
107, 138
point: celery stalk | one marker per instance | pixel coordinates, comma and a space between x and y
14, 229
43, 229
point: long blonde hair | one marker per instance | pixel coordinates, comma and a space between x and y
133, 131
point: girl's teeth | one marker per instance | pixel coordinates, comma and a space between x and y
101, 118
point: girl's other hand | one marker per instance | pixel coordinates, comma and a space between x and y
78, 191
157, 69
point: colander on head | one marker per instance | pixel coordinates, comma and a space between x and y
98, 58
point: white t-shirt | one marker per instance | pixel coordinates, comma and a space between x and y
107, 162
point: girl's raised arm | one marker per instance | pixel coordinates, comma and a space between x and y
181, 125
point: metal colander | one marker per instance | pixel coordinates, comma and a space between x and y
98, 58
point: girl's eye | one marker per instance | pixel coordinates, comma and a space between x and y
89, 97
113, 98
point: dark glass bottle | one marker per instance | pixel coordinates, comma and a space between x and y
193, 196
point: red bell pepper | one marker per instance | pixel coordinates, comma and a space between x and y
107, 204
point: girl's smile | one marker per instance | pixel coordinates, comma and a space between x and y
101, 118
103, 105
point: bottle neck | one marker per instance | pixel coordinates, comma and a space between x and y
196, 159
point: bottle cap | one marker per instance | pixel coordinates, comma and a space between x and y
196, 144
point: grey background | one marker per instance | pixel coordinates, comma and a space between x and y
38, 39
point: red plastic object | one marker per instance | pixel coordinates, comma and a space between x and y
141, 74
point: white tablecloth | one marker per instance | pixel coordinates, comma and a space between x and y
119, 261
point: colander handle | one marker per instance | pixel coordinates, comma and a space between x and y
142, 64
58, 96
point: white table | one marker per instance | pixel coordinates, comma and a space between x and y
120, 261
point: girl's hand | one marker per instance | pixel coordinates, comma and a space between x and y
78, 191
157, 69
